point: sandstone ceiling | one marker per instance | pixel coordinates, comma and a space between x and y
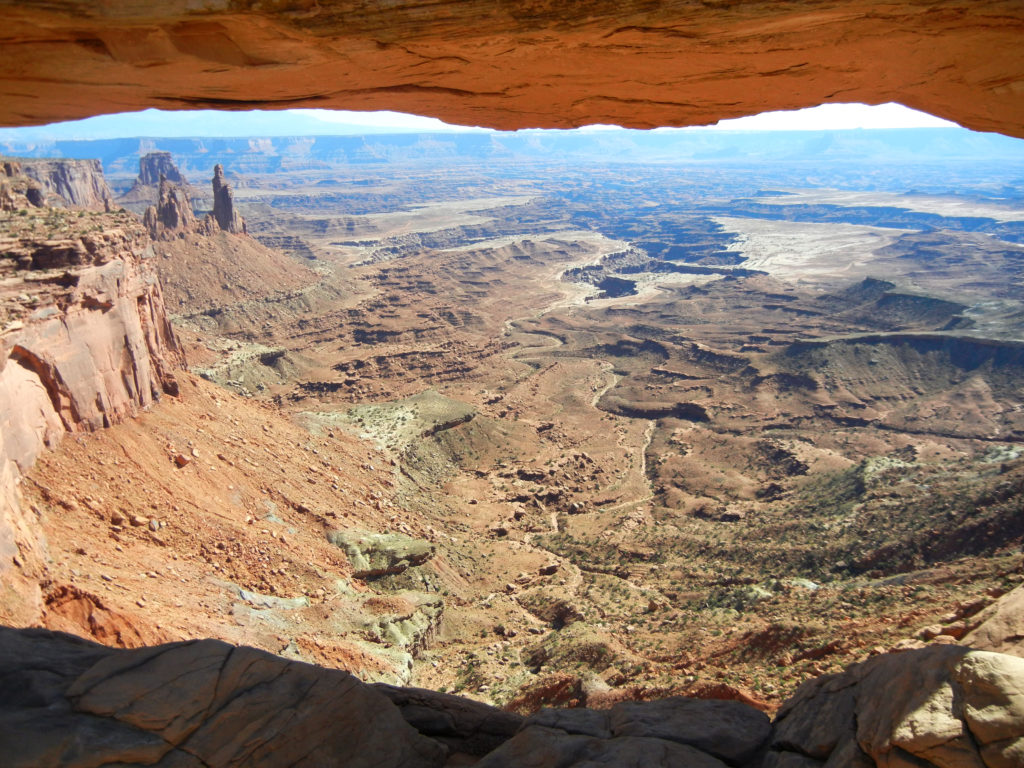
515, 63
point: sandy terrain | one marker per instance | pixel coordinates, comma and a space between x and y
627, 497
809, 254
943, 206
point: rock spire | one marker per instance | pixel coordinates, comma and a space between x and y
224, 212
172, 215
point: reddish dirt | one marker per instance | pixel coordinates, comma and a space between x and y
152, 547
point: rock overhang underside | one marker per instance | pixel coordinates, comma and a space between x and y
513, 65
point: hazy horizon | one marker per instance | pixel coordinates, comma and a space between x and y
154, 123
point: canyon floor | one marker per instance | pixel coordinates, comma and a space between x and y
550, 435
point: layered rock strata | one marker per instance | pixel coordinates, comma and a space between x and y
77, 184
374, 555
510, 65
85, 343
153, 168
405, 609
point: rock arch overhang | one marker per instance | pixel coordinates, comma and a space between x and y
515, 63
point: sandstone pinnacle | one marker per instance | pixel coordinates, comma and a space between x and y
224, 212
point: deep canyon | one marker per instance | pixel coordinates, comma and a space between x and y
595, 448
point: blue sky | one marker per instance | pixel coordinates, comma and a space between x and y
152, 122
824, 117
836, 117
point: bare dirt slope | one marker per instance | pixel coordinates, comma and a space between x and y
208, 516
207, 272
564, 437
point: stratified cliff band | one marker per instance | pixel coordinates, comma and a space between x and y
85, 339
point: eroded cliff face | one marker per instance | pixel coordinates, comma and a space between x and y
514, 65
85, 343
154, 169
77, 184
172, 215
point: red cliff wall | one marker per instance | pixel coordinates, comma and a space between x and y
84, 343
70, 183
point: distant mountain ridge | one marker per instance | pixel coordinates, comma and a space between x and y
295, 153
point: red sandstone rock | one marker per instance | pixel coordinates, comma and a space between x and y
172, 215
70, 609
224, 212
514, 65
92, 348
104, 347
69, 183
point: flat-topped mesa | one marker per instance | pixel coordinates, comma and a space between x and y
172, 215
224, 213
154, 167
78, 184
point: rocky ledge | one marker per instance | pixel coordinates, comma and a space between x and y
68, 702
84, 343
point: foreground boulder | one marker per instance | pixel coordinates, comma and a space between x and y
673, 732
67, 702
1001, 625
940, 706
539, 747
465, 726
